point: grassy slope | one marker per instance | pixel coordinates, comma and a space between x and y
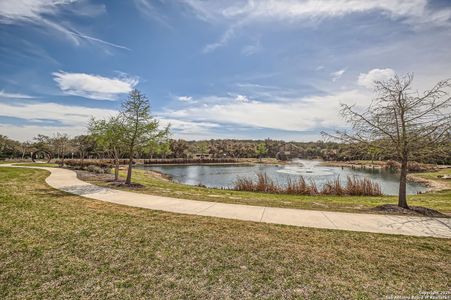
55, 245
435, 176
154, 185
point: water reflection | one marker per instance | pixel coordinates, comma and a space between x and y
225, 175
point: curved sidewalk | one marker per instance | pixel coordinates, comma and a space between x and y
66, 180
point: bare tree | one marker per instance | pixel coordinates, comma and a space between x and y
83, 144
401, 122
61, 144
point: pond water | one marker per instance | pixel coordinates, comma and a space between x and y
223, 176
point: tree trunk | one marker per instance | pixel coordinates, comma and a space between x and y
129, 171
116, 169
402, 200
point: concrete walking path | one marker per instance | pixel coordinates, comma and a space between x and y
66, 180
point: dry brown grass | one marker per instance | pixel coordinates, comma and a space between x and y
353, 187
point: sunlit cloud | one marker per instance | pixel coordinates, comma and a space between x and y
94, 86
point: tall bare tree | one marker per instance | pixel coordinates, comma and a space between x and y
60, 143
401, 122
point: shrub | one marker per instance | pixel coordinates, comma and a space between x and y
392, 165
90, 165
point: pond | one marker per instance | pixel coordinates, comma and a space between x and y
223, 176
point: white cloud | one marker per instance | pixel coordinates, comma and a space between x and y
241, 98
69, 115
185, 98
6, 95
28, 132
260, 10
188, 128
94, 86
239, 13
146, 8
367, 79
73, 120
222, 41
69, 119
251, 49
337, 75
296, 115
45, 13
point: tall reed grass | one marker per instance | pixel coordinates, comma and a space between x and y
353, 186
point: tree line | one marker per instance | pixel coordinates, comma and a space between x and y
401, 124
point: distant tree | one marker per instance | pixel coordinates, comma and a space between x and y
202, 148
179, 147
402, 123
83, 144
151, 149
109, 134
7, 147
60, 144
164, 148
24, 148
140, 126
261, 150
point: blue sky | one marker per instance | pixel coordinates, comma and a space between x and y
213, 69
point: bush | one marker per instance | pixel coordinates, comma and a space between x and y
96, 166
392, 165
412, 166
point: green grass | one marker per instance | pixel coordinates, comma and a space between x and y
155, 185
56, 245
51, 165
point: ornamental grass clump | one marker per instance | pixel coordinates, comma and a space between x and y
354, 186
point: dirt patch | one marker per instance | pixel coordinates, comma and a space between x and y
413, 210
433, 185
132, 186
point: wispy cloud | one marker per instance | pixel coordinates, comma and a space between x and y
337, 74
251, 49
70, 115
47, 13
147, 8
221, 42
69, 119
185, 98
6, 95
266, 10
413, 12
94, 86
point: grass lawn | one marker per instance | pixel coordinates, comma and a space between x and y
52, 165
440, 201
56, 245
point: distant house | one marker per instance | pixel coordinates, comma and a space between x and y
200, 155
288, 151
